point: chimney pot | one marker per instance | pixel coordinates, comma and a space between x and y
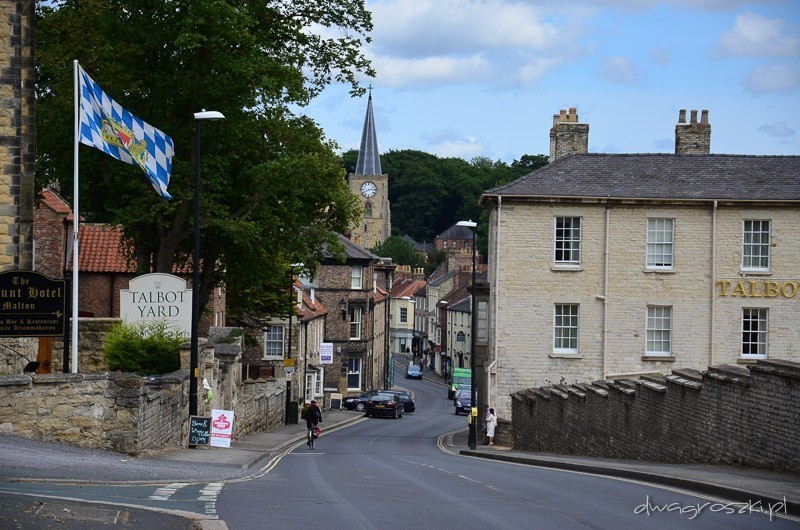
704, 117
694, 116
682, 116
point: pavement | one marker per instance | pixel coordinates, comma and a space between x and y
760, 488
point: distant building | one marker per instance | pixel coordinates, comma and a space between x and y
371, 186
606, 266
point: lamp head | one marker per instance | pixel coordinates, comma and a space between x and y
208, 115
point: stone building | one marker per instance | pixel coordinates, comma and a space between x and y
616, 265
355, 293
371, 186
406, 282
17, 133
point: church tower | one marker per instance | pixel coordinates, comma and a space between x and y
371, 186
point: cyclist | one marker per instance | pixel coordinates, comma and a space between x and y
313, 417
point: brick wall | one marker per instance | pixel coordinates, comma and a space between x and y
727, 415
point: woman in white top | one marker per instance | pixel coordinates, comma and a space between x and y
491, 424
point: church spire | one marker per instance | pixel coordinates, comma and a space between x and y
369, 161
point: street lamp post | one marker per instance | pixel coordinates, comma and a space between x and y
473, 426
194, 359
292, 267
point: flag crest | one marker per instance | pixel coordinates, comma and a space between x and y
110, 128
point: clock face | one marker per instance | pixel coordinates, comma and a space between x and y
368, 189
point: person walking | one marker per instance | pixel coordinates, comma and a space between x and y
491, 425
313, 417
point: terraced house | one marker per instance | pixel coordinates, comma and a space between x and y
613, 265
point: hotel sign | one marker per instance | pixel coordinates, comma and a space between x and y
158, 296
758, 288
31, 305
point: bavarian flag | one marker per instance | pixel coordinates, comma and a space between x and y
115, 131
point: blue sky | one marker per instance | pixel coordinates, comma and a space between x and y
469, 78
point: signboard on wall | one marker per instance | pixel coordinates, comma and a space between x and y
157, 297
31, 305
326, 353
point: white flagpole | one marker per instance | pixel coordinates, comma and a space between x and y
75, 216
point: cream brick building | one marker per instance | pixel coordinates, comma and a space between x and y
604, 266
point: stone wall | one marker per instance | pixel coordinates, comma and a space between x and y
135, 414
726, 415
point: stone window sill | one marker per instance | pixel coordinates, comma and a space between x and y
566, 356
659, 358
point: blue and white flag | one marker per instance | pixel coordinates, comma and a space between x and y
115, 131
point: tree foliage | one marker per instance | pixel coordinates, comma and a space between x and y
401, 251
273, 190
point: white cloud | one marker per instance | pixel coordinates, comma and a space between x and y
777, 129
398, 72
620, 71
756, 36
772, 78
449, 143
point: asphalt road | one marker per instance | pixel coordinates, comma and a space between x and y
386, 473
377, 473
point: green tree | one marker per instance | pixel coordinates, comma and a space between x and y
273, 191
401, 251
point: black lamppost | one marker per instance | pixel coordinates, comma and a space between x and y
194, 359
290, 375
473, 425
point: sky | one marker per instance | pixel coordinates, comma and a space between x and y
483, 78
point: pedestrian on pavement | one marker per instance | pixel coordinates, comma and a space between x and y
491, 424
485, 428
313, 417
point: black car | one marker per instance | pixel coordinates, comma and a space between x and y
463, 402
384, 404
405, 397
359, 402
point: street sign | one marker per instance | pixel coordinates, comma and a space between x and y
288, 363
288, 369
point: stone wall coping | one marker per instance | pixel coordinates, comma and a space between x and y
684, 382
743, 381
729, 370
600, 390
542, 393
15, 380
575, 391
558, 391
789, 369
623, 389
655, 378
652, 385
688, 373
629, 383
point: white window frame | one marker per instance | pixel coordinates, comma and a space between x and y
660, 245
271, 329
354, 369
355, 323
356, 277
566, 317
444, 244
565, 243
755, 338
658, 337
755, 236
483, 322
404, 315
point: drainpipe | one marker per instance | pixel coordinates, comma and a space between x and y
713, 280
604, 296
493, 364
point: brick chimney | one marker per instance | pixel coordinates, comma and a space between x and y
567, 135
692, 138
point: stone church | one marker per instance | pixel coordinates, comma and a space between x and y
369, 184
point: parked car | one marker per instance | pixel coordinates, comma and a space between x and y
384, 404
405, 397
359, 402
413, 372
463, 402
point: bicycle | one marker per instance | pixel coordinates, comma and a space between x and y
312, 437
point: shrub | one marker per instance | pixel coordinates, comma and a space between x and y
147, 348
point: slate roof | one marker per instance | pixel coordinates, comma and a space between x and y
352, 251
660, 176
369, 161
456, 232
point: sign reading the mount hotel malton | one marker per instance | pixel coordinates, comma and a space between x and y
157, 296
31, 305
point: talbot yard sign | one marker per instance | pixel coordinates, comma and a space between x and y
31, 305
158, 296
